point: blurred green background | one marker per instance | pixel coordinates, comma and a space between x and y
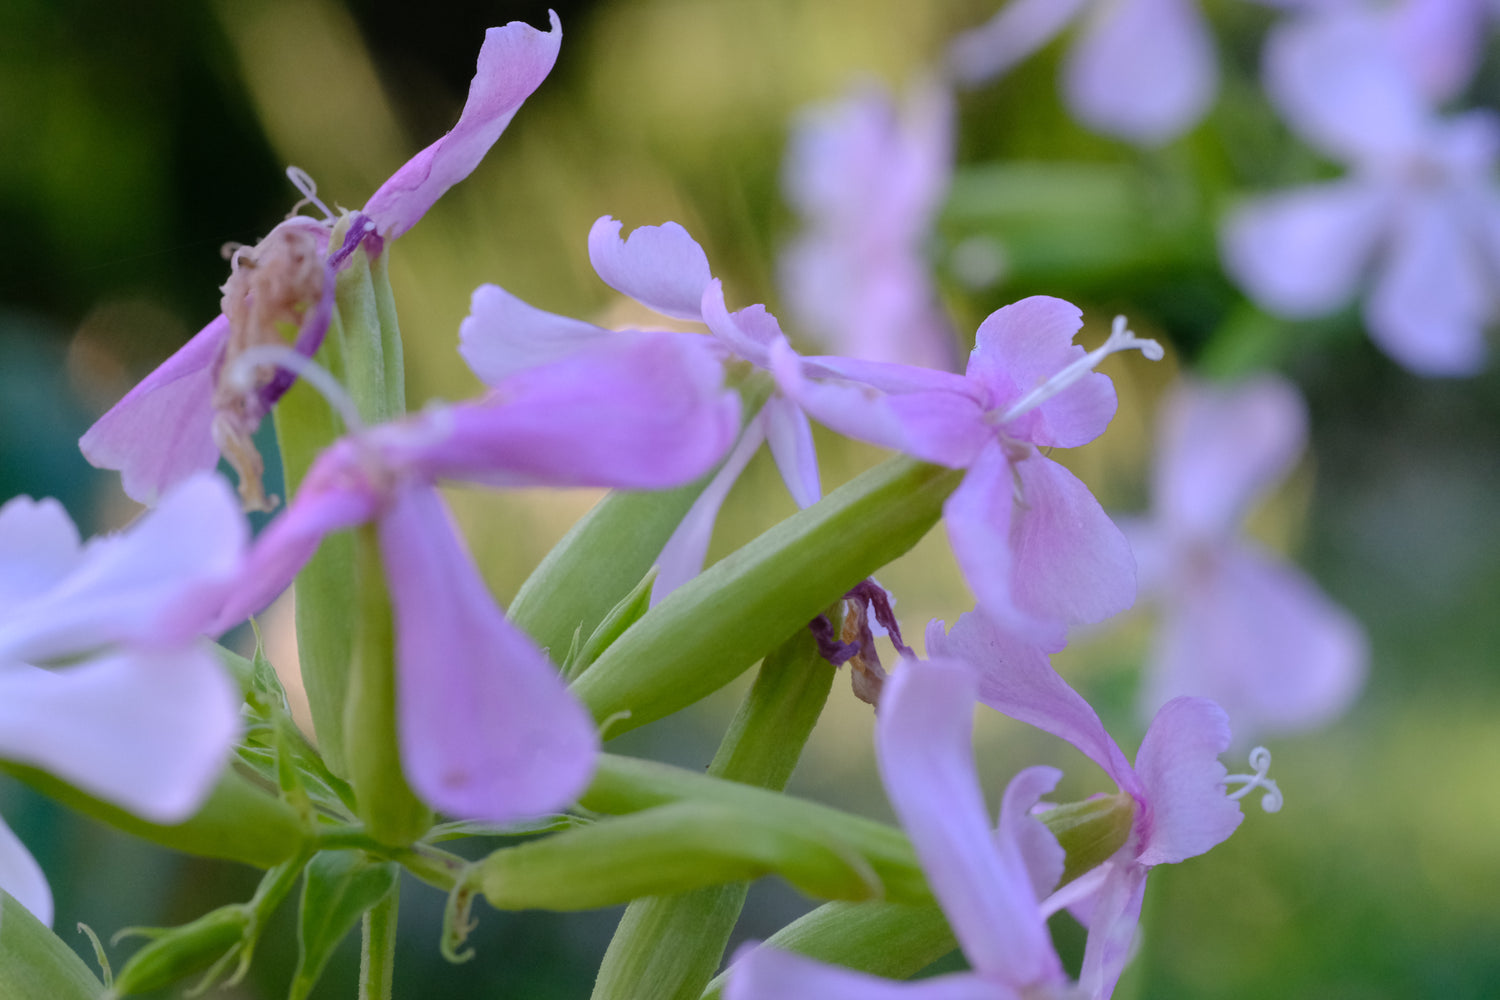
137, 138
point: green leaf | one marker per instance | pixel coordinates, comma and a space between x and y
240, 821
34, 962
339, 886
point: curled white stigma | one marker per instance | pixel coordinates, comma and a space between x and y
1260, 759
1120, 339
241, 374
303, 182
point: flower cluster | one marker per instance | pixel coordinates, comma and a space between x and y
431, 703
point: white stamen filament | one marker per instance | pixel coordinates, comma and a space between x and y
1260, 759
241, 373
303, 182
1120, 339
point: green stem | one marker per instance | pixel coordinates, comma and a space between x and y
669, 946
377, 956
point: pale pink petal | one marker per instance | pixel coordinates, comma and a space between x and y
937, 426
1143, 70
513, 62
1178, 765
1114, 915
682, 557
148, 732
748, 333
1221, 448
661, 267
1343, 88
138, 585
891, 377
161, 432
790, 439
1021, 837
1071, 563
1433, 296
644, 411
1439, 41
1017, 679
1301, 253
1257, 636
765, 973
1019, 29
487, 728
39, 546
924, 745
1021, 346
503, 335
331, 498
22, 878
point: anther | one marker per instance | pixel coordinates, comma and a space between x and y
1260, 759
1120, 339
303, 182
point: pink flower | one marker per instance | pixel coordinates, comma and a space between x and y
1033, 543
182, 416
1143, 70
990, 882
1238, 624
664, 269
103, 679
1418, 211
486, 725
867, 179
1178, 784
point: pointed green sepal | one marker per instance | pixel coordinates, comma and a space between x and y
1090, 831
712, 628
392, 812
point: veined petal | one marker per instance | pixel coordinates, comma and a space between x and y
1144, 70
1178, 765
1432, 297
682, 557
143, 585
22, 877
924, 745
978, 518
1019, 29
1016, 679
147, 731
487, 728
1021, 346
1300, 253
1071, 563
661, 267
764, 973
1221, 449
39, 546
1257, 636
503, 335
513, 62
789, 437
161, 432
644, 411
937, 426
